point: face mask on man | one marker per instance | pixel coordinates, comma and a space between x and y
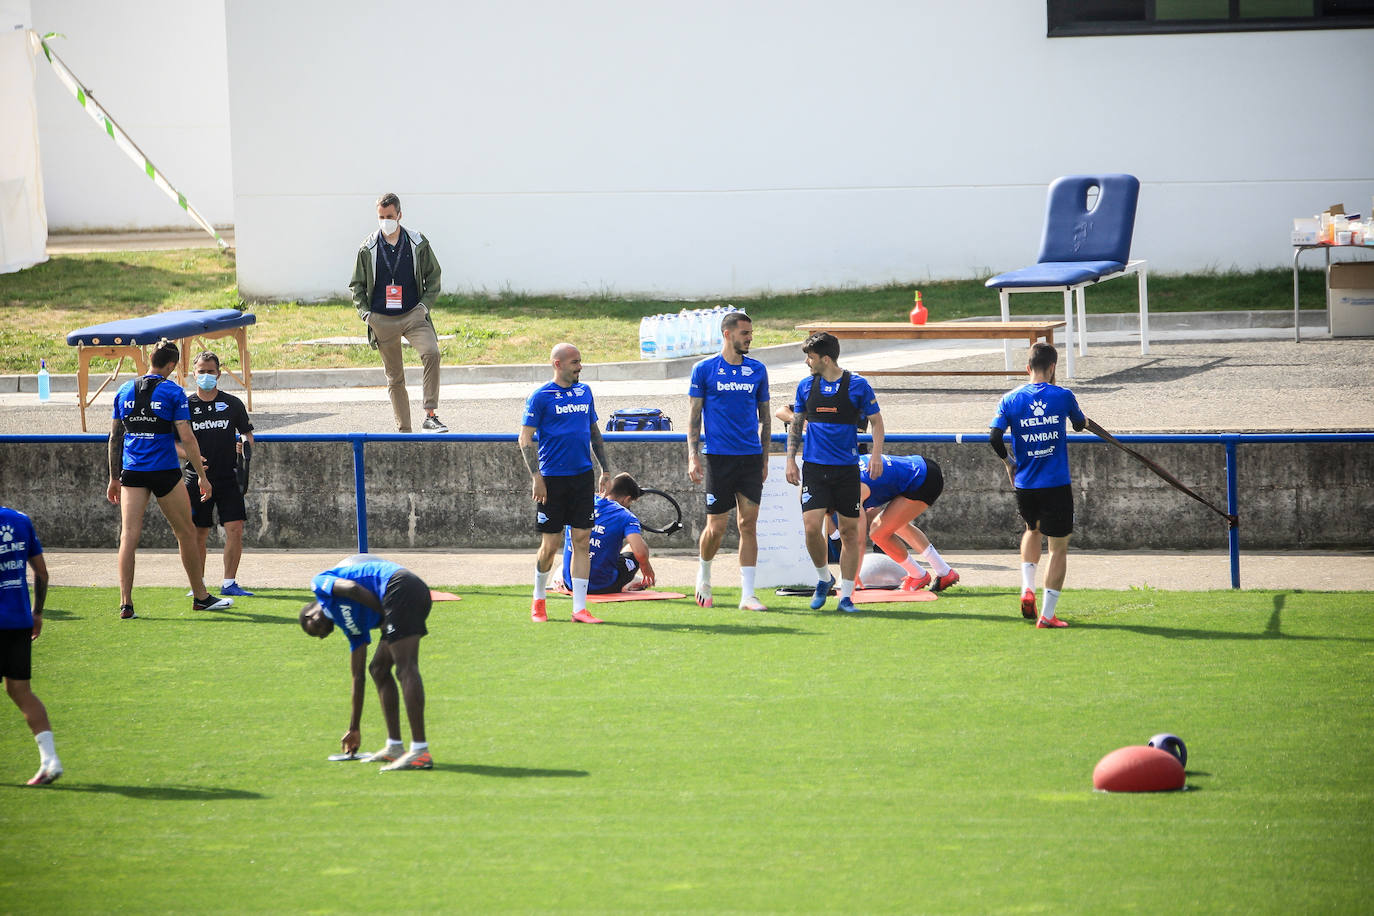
389, 226
207, 382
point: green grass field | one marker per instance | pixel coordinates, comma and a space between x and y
931, 757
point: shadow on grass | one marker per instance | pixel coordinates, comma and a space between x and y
712, 629
160, 793
54, 613
477, 769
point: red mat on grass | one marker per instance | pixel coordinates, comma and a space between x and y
884, 595
443, 596
620, 596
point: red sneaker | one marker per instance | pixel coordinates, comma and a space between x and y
1028, 609
583, 617
537, 612
915, 583
945, 581
1050, 623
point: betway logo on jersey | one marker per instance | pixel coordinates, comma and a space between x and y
199, 425
734, 386
571, 408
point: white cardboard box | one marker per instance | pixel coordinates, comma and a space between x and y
1350, 299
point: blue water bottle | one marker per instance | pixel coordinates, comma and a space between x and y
44, 382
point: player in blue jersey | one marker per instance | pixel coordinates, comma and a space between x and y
828, 406
906, 487
366, 593
20, 624
1037, 414
614, 526
563, 414
730, 392
151, 414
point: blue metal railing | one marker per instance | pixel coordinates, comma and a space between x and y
1230, 441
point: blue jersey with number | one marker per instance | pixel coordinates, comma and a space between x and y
356, 620
900, 474
564, 418
834, 443
18, 542
1037, 416
612, 523
731, 396
146, 451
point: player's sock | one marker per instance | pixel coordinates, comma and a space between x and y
846, 588
1028, 576
395, 744
704, 571
47, 752
227, 583
822, 573
416, 746
935, 560
540, 583
579, 587
912, 568
746, 581
1051, 599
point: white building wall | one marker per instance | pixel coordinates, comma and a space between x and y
159, 68
732, 146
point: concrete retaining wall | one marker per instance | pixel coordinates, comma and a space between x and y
450, 493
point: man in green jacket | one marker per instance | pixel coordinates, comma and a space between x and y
395, 282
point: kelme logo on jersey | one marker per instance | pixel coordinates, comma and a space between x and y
6, 534
1038, 408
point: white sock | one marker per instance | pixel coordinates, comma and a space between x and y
822, 573
746, 581
228, 582
47, 753
703, 572
911, 567
394, 742
540, 583
934, 559
846, 588
1028, 576
419, 746
1051, 599
579, 595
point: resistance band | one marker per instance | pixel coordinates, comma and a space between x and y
1173, 481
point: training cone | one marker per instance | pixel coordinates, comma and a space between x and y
918, 314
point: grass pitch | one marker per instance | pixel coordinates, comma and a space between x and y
930, 757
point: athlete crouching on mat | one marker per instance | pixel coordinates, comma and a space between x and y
906, 487
614, 526
1038, 467
151, 415
362, 594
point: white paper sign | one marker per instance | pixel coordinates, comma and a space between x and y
782, 541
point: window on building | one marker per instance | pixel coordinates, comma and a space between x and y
1135, 17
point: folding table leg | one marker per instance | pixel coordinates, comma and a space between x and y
1004, 298
1144, 293
1068, 331
1082, 322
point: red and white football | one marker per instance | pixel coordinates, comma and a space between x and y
1138, 769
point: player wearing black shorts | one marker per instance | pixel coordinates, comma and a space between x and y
1037, 415
563, 414
907, 487
729, 392
218, 420
20, 624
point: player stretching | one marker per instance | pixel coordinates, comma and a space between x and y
361, 594
828, 405
20, 624
615, 526
905, 488
731, 392
563, 413
1038, 467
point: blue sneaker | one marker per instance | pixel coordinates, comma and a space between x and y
847, 605
822, 592
236, 591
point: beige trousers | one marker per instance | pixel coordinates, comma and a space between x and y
419, 333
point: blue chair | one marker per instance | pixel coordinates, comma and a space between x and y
1089, 220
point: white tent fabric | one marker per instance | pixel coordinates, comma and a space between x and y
23, 219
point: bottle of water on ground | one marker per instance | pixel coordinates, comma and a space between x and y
44, 382
648, 337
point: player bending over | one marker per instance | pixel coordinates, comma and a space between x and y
365, 593
907, 487
1038, 467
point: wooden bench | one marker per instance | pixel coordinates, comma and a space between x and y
1030, 331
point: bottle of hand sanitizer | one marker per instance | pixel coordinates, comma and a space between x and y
44, 382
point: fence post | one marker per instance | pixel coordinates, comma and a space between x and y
360, 490
1232, 498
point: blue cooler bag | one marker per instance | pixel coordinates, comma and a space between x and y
638, 419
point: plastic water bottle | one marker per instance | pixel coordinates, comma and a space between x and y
44, 382
668, 334
648, 337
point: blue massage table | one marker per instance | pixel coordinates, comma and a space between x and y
131, 337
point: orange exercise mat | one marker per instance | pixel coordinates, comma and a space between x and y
620, 596
884, 595
443, 596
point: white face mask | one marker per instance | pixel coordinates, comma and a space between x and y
207, 382
389, 226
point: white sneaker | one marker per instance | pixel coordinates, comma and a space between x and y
47, 774
751, 603
704, 594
